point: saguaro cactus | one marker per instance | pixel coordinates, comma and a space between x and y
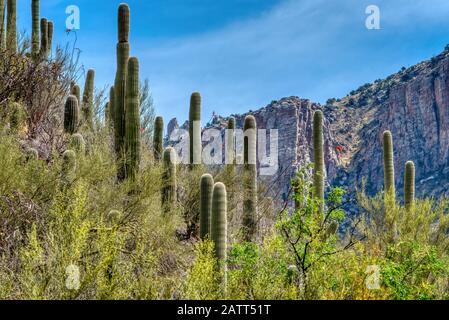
250, 178
158, 138
388, 164
230, 144
44, 38
78, 143
409, 185
88, 98
11, 26
318, 158
31, 154
35, 40
169, 179
206, 190
76, 91
132, 119
69, 166
71, 115
195, 130
219, 226
49, 37
120, 82
2, 25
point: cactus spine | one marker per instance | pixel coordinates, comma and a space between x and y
88, 98
206, 190
388, 164
318, 158
169, 179
35, 41
250, 179
71, 115
49, 38
219, 226
132, 119
158, 138
195, 130
76, 91
44, 38
2, 25
78, 143
11, 26
69, 166
120, 84
409, 185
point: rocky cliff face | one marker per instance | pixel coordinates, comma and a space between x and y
413, 104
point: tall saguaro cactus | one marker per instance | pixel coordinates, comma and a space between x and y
409, 185
120, 83
158, 138
2, 25
132, 119
250, 178
44, 38
388, 164
206, 190
35, 40
71, 115
11, 26
195, 130
219, 226
49, 37
318, 158
88, 98
169, 184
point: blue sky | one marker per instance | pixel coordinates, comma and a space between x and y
242, 54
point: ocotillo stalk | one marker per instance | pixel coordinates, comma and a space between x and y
409, 185
388, 164
35, 42
195, 130
219, 226
132, 119
250, 179
76, 91
88, 98
11, 26
120, 85
158, 138
318, 158
44, 38
206, 190
169, 180
2, 25
71, 115
69, 166
78, 143
49, 37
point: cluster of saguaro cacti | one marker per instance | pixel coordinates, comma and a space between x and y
195, 146
158, 138
169, 183
318, 155
71, 115
250, 178
88, 98
206, 191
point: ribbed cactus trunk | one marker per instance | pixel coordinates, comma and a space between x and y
195, 146
388, 164
2, 25
76, 91
158, 138
250, 179
88, 99
132, 119
169, 184
120, 86
219, 227
50, 28
78, 143
318, 159
71, 115
206, 190
44, 38
230, 145
69, 166
409, 185
35, 38
11, 26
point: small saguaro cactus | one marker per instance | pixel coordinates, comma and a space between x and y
31, 154
11, 26
71, 115
195, 130
219, 226
76, 91
318, 158
169, 179
158, 138
2, 25
206, 190
120, 82
69, 166
250, 178
132, 119
409, 185
44, 38
35, 41
88, 98
388, 164
49, 37
78, 143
